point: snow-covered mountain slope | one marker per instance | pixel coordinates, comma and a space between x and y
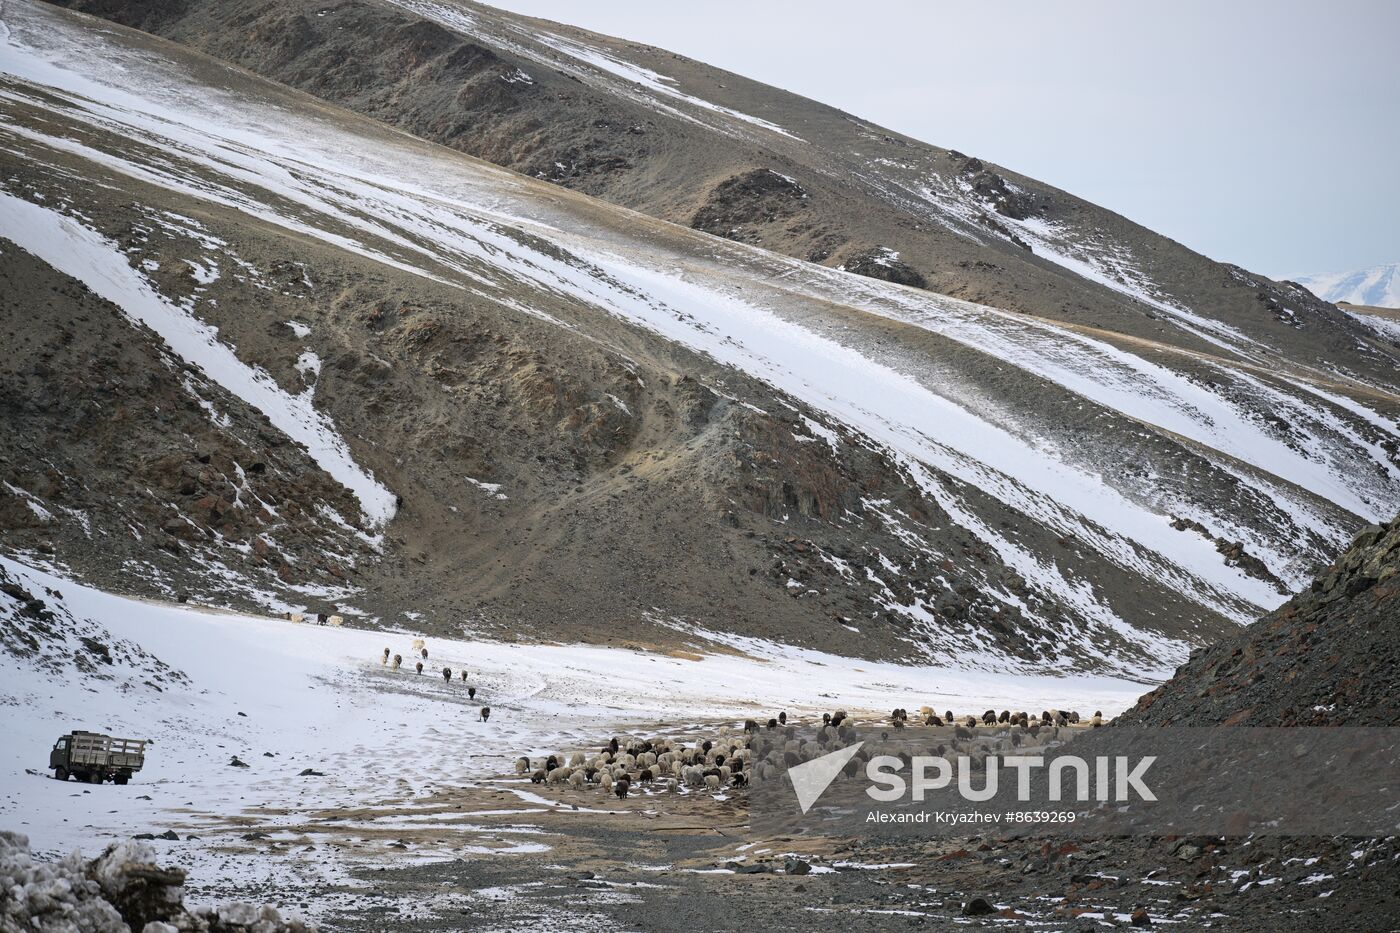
600, 424
1378, 286
675, 138
208, 687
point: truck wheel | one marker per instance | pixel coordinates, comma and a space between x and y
60, 774
120, 779
95, 777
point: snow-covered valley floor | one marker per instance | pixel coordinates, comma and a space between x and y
285, 697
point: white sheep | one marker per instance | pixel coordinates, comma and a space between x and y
605, 780
522, 765
336, 620
712, 781
296, 617
577, 761
418, 644
577, 778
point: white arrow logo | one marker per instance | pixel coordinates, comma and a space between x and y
811, 778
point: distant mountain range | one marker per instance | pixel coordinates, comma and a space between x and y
1378, 286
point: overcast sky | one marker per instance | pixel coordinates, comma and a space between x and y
1260, 132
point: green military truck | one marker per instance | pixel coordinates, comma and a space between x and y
93, 757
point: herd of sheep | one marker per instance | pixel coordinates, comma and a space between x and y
726, 761
420, 647
761, 751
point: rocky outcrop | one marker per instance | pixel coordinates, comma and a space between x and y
740, 203
122, 889
1326, 657
881, 262
1003, 197
1234, 553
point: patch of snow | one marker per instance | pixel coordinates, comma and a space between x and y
491, 489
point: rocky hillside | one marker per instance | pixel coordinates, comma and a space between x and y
1327, 657
677, 139
289, 357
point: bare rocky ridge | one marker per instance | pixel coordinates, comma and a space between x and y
1327, 657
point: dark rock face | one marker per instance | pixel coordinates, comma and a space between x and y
881, 262
1005, 199
746, 200
1327, 657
